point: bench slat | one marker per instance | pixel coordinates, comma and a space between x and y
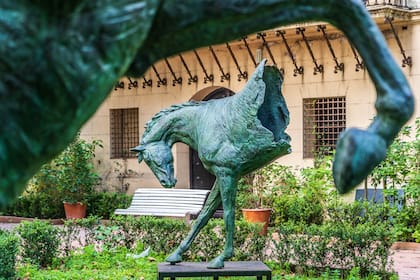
165, 202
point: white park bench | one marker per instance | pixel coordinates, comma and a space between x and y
166, 203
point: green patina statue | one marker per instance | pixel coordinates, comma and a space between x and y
60, 59
233, 136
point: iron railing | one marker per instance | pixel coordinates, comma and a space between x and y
406, 4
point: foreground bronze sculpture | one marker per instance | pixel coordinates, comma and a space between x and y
233, 136
59, 61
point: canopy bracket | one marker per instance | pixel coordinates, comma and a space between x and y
359, 63
176, 80
338, 66
207, 77
132, 84
319, 68
298, 69
241, 75
161, 82
147, 83
191, 78
249, 51
407, 60
224, 76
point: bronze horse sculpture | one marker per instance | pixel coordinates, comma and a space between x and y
233, 136
59, 61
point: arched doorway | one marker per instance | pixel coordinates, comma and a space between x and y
200, 178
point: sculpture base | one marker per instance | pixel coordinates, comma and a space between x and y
199, 269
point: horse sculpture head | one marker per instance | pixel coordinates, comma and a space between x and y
158, 156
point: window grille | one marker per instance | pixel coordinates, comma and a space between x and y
124, 132
323, 120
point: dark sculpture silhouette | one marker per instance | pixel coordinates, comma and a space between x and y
233, 136
59, 60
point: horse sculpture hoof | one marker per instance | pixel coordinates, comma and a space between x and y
216, 263
174, 258
358, 152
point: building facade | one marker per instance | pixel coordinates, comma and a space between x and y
326, 88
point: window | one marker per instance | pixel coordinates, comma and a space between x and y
124, 127
323, 120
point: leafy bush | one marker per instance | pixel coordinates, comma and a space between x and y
41, 205
163, 235
9, 244
401, 170
305, 203
259, 188
359, 235
69, 177
40, 242
76, 176
416, 234
103, 204
36, 205
334, 246
41, 198
300, 208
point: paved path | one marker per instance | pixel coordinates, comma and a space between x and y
407, 260
8, 226
406, 257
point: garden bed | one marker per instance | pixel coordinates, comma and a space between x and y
16, 220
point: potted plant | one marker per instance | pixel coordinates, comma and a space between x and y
255, 199
259, 189
76, 176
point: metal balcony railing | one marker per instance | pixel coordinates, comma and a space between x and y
406, 4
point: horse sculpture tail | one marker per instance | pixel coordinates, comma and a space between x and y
252, 95
273, 113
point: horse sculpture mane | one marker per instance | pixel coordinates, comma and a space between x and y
149, 125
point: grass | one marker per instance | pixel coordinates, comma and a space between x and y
118, 264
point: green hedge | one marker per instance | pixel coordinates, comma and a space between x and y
45, 206
359, 234
36, 205
40, 242
103, 204
343, 243
9, 244
163, 235
334, 245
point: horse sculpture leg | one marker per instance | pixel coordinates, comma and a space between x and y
212, 203
228, 190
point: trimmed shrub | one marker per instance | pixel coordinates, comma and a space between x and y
163, 235
305, 209
36, 205
44, 206
40, 242
341, 246
103, 204
9, 244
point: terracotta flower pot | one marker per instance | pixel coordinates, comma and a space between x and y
75, 210
258, 216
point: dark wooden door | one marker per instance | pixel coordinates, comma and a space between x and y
200, 178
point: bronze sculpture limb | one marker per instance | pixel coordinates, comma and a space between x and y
60, 61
